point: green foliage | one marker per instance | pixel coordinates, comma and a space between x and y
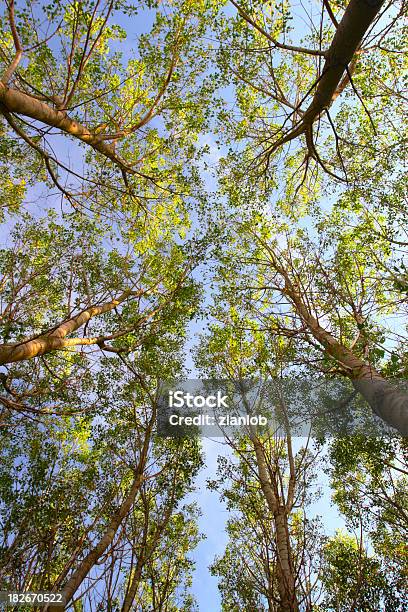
354, 580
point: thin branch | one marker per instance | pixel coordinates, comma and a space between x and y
17, 44
276, 43
361, 100
330, 13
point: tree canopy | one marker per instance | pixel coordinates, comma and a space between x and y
213, 189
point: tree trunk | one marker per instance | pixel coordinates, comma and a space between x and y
134, 584
389, 403
357, 18
55, 338
97, 551
285, 569
15, 101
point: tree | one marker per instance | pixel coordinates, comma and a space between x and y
367, 476
267, 485
95, 299
79, 494
369, 481
290, 235
325, 283
312, 88
69, 72
102, 165
355, 580
73, 280
252, 568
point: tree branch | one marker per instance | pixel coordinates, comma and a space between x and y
358, 17
15, 101
275, 42
330, 13
19, 49
56, 338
